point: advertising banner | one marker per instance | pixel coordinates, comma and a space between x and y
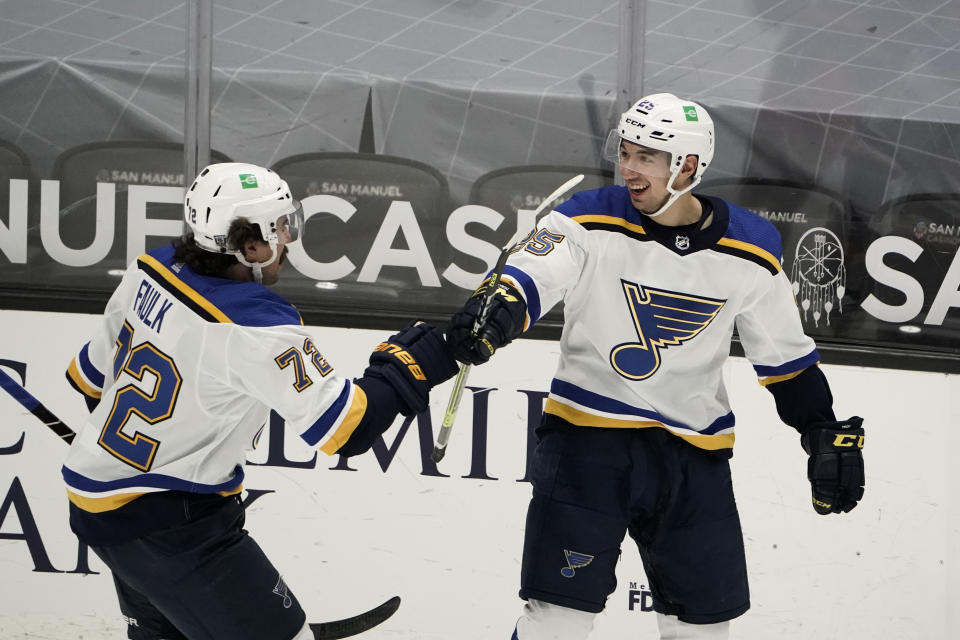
385, 239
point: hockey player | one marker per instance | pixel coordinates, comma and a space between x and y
191, 354
637, 430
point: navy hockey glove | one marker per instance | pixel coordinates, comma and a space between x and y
504, 322
411, 362
835, 467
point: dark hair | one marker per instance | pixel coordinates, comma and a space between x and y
208, 263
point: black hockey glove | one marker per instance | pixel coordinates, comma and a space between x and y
411, 362
504, 322
835, 467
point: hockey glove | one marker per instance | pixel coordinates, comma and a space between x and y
504, 322
835, 467
411, 362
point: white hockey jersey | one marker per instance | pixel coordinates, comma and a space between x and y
650, 310
186, 369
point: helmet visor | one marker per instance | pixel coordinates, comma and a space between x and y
637, 158
290, 225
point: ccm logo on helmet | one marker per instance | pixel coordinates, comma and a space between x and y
848, 440
634, 122
404, 357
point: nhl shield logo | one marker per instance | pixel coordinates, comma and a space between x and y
682, 242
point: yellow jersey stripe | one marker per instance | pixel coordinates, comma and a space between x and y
358, 407
775, 379
183, 288
74, 372
584, 419
729, 242
109, 503
614, 220
751, 248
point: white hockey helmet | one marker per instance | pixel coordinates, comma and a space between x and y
665, 122
227, 191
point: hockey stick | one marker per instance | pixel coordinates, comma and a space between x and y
321, 630
36, 407
357, 624
519, 238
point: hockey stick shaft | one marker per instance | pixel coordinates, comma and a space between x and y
37, 408
321, 631
453, 405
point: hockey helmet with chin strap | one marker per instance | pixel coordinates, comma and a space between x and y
664, 122
229, 191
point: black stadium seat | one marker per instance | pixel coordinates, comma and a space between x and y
512, 189
124, 164
372, 185
14, 163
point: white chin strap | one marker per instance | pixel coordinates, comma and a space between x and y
674, 194
258, 266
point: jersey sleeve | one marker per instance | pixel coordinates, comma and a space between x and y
549, 262
771, 333
784, 358
92, 367
283, 369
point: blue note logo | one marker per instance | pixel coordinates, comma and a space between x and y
281, 590
575, 561
662, 319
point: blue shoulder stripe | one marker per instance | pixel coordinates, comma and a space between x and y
181, 291
750, 236
218, 299
611, 202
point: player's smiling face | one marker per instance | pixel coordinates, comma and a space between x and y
645, 172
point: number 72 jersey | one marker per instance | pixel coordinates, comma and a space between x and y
186, 369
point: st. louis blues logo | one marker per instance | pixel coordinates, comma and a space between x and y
575, 561
281, 590
662, 319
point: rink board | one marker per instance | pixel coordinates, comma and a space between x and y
349, 534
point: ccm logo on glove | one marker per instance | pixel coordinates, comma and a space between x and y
848, 441
403, 356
